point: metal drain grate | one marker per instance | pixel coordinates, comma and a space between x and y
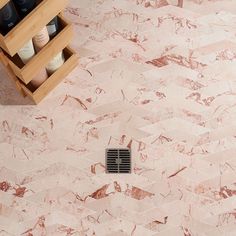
118, 160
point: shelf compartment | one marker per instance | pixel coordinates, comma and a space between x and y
27, 72
41, 92
28, 27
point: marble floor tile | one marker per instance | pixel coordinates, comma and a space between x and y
157, 76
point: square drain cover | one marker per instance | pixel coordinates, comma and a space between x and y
118, 160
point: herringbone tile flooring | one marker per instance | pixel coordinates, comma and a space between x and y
154, 77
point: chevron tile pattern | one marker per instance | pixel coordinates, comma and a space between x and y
154, 77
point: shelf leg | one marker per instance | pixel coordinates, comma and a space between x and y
11, 73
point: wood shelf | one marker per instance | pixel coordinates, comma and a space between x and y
24, 31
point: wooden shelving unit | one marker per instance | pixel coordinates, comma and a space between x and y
25, 30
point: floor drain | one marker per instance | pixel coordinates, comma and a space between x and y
118, 160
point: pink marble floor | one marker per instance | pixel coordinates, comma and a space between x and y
155, 77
